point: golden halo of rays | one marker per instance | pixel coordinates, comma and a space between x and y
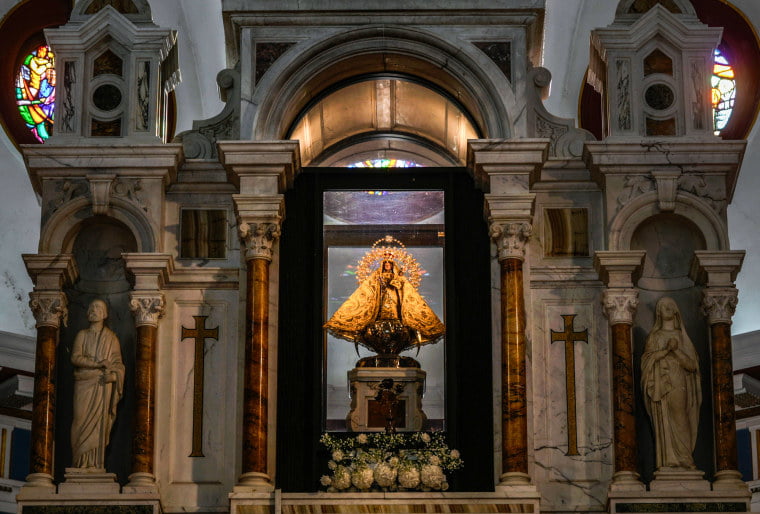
389, 248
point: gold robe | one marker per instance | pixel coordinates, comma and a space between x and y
378, 297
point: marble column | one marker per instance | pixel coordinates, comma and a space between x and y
718, 305
717, 270
50, 273
151, 271
511, 239
620, 300
258, 237
49, 309
620, 306
147, 309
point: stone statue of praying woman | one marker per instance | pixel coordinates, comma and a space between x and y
98, 384
670, 382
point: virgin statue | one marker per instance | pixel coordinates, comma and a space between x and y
386, 313
98, 383
671, 384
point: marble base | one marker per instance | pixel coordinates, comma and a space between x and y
34, 500
729, 480
92, 491
627, 481
87, 482
364, 383
679, 480
141, 483
323, 503
620, 502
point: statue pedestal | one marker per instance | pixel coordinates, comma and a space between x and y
86, 490
366, 414
679, 480
79, 481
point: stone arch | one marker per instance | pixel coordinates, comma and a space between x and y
60, 231
303, 72
688, 206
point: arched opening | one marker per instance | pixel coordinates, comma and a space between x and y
670, 241
97, 250
384, 116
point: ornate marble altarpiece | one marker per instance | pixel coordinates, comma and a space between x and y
568, 434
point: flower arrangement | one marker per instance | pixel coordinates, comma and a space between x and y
411, 461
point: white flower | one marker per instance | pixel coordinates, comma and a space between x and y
425, 438
432, 476
433, 459
362, 478
342, 478
385, 476
325, 480
337, 455
454, 454
361, 438
409, 478
332, 465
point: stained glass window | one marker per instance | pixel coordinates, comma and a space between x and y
35, 92
723, 91
385, 163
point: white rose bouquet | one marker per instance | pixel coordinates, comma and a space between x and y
389, 462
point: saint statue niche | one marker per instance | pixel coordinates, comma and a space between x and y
386, 314
670, 381
98, 383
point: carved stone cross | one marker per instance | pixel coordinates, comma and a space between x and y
200, 333
569, 337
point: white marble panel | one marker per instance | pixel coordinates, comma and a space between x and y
198, 481
571, 479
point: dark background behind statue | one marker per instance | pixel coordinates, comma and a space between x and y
670, 241
97, 251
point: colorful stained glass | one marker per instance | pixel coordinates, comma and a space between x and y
385, 163
35, 92
723, 91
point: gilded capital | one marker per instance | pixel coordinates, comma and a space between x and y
719, 304
49, 308
511, 238
259, 238
620, 305
147, 308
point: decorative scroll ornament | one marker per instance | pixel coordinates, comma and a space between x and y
620, 305
49, 308
511, 238
147, 308
719, 304
258, 239
100, 188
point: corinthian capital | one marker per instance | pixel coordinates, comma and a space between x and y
259, 238
147, 308
620, 305
49, 308
719, 304
511, 238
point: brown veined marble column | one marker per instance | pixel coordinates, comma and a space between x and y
718, 305
510, 241
619, 307
49, 308
258, 239
147, 309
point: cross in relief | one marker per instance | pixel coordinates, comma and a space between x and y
200, 333
569, 337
